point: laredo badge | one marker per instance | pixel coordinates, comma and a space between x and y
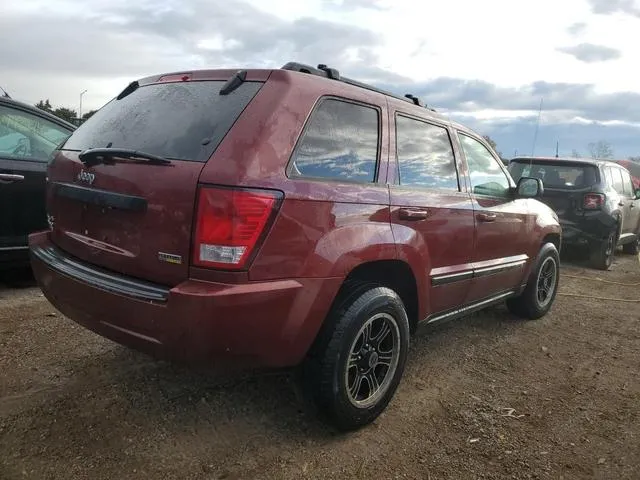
169, 258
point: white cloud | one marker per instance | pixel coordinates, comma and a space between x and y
57, 48
505, 43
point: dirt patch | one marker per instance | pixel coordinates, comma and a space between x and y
485, 397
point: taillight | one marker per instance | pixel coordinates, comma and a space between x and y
593, 201
230, 224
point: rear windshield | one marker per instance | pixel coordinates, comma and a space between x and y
183, 121
555, 175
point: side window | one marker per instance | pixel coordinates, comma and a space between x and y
618, 184
627, 184
28, 136
608, 176
487, 177
340, 142
425, 155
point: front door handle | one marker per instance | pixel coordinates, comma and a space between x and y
10, 177
413, 213
486, 217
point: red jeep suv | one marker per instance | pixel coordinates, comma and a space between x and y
287, 217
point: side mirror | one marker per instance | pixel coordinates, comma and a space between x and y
529, 187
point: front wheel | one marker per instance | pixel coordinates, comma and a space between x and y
542, 286
357, 362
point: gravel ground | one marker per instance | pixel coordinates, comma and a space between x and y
484, 397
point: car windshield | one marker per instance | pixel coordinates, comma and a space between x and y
555, 174
184, 121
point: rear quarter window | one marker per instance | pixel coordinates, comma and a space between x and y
182, 121
618, 184
608, 176
340, 142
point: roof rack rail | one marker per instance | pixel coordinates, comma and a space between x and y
323, 70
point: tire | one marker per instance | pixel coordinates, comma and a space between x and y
632, 248
530, 304
340, 360
602, 253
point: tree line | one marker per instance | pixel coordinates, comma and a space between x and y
67, 114
597, 150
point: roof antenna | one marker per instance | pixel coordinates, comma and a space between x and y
557, 147
6, 95
535, 134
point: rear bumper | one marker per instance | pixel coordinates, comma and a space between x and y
589, 228
266, 324
14, 257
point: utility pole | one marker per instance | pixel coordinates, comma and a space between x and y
535, 135
80, 110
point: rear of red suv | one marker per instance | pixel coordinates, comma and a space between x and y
150, 245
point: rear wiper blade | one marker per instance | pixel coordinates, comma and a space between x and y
94, 156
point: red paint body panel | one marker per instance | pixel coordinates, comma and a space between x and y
126, 241
270, 313
258, 324
505, 239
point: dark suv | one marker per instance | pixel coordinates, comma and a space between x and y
287, 217
28, 137
595, 200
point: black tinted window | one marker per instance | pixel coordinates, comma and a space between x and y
555, 174
425, 155
185, 120
340, 142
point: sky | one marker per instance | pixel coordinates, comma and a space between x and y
489, 65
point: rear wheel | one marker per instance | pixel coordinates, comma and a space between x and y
357, 362
542, 286
602, 253
632, 248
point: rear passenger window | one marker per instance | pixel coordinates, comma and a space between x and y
425, 155
340, 142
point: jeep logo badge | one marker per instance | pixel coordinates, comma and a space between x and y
86, 177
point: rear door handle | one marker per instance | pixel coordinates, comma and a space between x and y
10, 177
413, 213
486, 217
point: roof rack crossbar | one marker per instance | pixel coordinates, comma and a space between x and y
324, 71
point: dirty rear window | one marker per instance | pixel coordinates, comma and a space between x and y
183, 121
555, 175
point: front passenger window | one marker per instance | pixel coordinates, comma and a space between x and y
487, 177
